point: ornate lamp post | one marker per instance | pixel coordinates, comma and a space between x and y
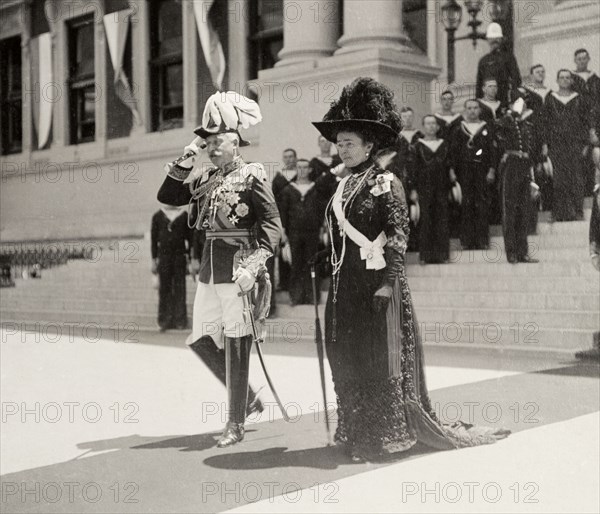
452, 16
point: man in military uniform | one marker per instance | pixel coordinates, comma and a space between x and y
237, 210
500, 64
520, 151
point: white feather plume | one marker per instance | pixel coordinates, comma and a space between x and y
231, 109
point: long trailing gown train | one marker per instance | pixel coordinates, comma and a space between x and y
376, 358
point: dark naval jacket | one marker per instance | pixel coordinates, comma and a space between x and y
236, 209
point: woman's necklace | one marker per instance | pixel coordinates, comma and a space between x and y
337, 261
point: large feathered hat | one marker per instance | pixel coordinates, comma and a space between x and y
228, 111
365, 106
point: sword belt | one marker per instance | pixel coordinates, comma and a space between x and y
228, 234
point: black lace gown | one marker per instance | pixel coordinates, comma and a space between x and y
376, 358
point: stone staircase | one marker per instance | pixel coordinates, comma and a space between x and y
477, 299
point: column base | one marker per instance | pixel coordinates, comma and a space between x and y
391, 41
307, 54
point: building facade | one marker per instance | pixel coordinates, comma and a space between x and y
97, 95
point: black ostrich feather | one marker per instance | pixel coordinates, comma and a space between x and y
366, 99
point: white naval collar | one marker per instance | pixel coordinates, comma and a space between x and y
448, 118
432, 145
585, 75
173, 214
408, 134
540, 91
565, 99
473, 127
303, 188
493, 106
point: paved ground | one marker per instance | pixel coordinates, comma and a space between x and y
94, 425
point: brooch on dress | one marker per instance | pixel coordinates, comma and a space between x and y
381, 184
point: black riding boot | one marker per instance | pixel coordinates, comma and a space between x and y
237, 356
214, 358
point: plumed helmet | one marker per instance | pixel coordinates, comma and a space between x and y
228, 111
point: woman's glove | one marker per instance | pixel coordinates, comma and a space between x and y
381, 298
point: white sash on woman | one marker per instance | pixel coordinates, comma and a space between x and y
370, 251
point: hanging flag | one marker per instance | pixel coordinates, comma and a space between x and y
116, 26
209, 39
41, 66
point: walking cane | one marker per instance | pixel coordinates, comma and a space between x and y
320, 350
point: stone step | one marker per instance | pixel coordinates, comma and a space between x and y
546, 318
143, 291
523, 336
576, 319
543, 270
552, 261
509, 300
495, 284
147, 304
278, 330
496, 254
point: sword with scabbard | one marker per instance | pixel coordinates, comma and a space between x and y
258, 339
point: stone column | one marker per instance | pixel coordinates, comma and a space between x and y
373, 24
310, 30
101, 79
140, 46
60, 65
190, 66
27, 97
237, 59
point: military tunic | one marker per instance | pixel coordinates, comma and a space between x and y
237, 211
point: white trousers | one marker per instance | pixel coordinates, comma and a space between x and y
218, 312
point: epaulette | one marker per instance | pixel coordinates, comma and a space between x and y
254, 169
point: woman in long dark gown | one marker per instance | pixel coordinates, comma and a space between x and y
567, 133
372, 341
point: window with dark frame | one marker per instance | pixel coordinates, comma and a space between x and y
11, 95
166, 64
82, 87
266, 34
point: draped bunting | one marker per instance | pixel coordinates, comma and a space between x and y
209, 40
41, 66
116, 26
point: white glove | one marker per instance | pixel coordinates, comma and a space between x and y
192, 147
244, 279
